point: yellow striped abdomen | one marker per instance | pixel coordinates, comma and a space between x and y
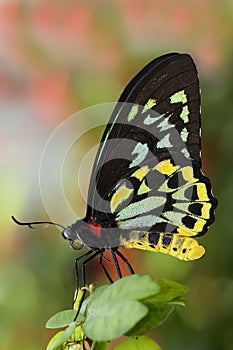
182, 247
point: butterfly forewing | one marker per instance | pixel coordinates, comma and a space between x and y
168, 85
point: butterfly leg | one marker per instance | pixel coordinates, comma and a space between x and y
104, 268
76, 270
123, 258
116, 262
97, 252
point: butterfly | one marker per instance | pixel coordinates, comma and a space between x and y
147, 190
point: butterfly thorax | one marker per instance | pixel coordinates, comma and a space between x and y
93, 234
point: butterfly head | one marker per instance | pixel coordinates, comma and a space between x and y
71, 234
89, 233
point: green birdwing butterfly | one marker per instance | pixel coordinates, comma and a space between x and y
147, 190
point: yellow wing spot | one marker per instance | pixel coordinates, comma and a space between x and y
166, 167
185, 231
132, 113
187, 173
150, 103
185, 114
202, 191
206, 210
179, 96
143, 188
141, 173
198, 227
120, 196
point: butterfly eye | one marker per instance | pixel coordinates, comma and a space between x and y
71, 236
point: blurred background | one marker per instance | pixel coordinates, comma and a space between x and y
57, 57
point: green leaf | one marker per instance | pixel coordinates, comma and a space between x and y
133, 287
170, 290
96, 296
113, 310
56, 343
160, 306
158, 312
61, 319
112, 319
132, 305
53, 340
137, 343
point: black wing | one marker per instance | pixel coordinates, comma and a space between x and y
149, 156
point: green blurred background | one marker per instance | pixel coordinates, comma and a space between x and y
58, 57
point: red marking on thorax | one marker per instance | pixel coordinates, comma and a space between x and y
95, 229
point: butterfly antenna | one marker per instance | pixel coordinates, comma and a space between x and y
29, 224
